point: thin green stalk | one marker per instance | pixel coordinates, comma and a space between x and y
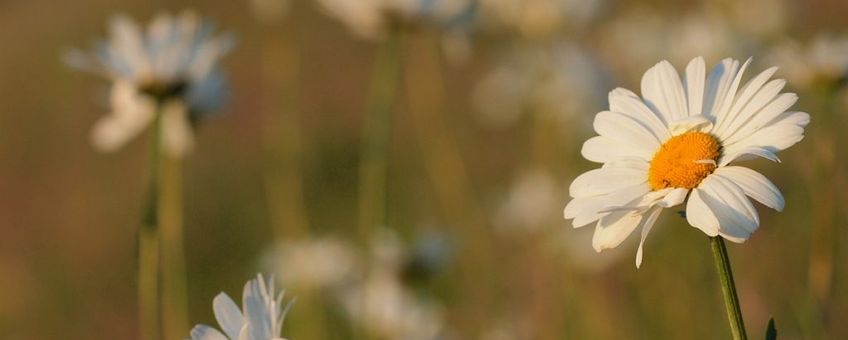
376, 135
373, 166
174, 295
149, 247
728, 289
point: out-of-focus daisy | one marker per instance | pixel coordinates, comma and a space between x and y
675, 145
372, 18
561, 81
261, 316
533, 200
383, 305
170, 68
705, 32
824, 61
320, 263
538, 18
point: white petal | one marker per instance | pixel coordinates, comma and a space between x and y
203, 332
729, 212
228, 315
754, 107
603, 149
695, 78
131, 114
747, 102
690, 123
127, 43
762, 118
605, 180
177, 133
717, 84
614, 228
748, 153
699, 215
723, 111
626, 129
256, 311
626, 102
663, 91
675, 197
783, 132
755, 185
647, 223
585, 210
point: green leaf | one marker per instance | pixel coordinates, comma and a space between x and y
771, 331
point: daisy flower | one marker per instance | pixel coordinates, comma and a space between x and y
677, 145
371, 19
171, 67
261, 318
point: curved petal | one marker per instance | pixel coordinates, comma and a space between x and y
721, 206
624, 101
204, 332
764, 117
718, 82
727, 99
625, 129
605, 180
228, 315
647, 224
585, 210
786, 130
760, 101
131, 114
695, 78
614, 228
754, 185
749, 100
663, 91
603, 149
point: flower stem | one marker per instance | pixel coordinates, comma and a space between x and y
174, 295
376, 134
728, 289
148, 244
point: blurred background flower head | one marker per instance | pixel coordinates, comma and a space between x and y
171, 67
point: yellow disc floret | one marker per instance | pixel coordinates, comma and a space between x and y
683, 161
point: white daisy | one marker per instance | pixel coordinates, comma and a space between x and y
371, 19
324, 262
174, 63
676, 144
261, 318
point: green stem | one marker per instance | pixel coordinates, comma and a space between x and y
376, 135
373, 166
174, 295
148, 245
728, 289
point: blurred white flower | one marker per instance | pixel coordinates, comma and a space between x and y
260, 319
645, 35
564, 81
532, 200
270, 11
538, 18
172, 65
371, 19
383, 305
322, 263
824, 60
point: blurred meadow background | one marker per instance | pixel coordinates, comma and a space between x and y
485, 105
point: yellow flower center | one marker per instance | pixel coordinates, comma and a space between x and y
683, 161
